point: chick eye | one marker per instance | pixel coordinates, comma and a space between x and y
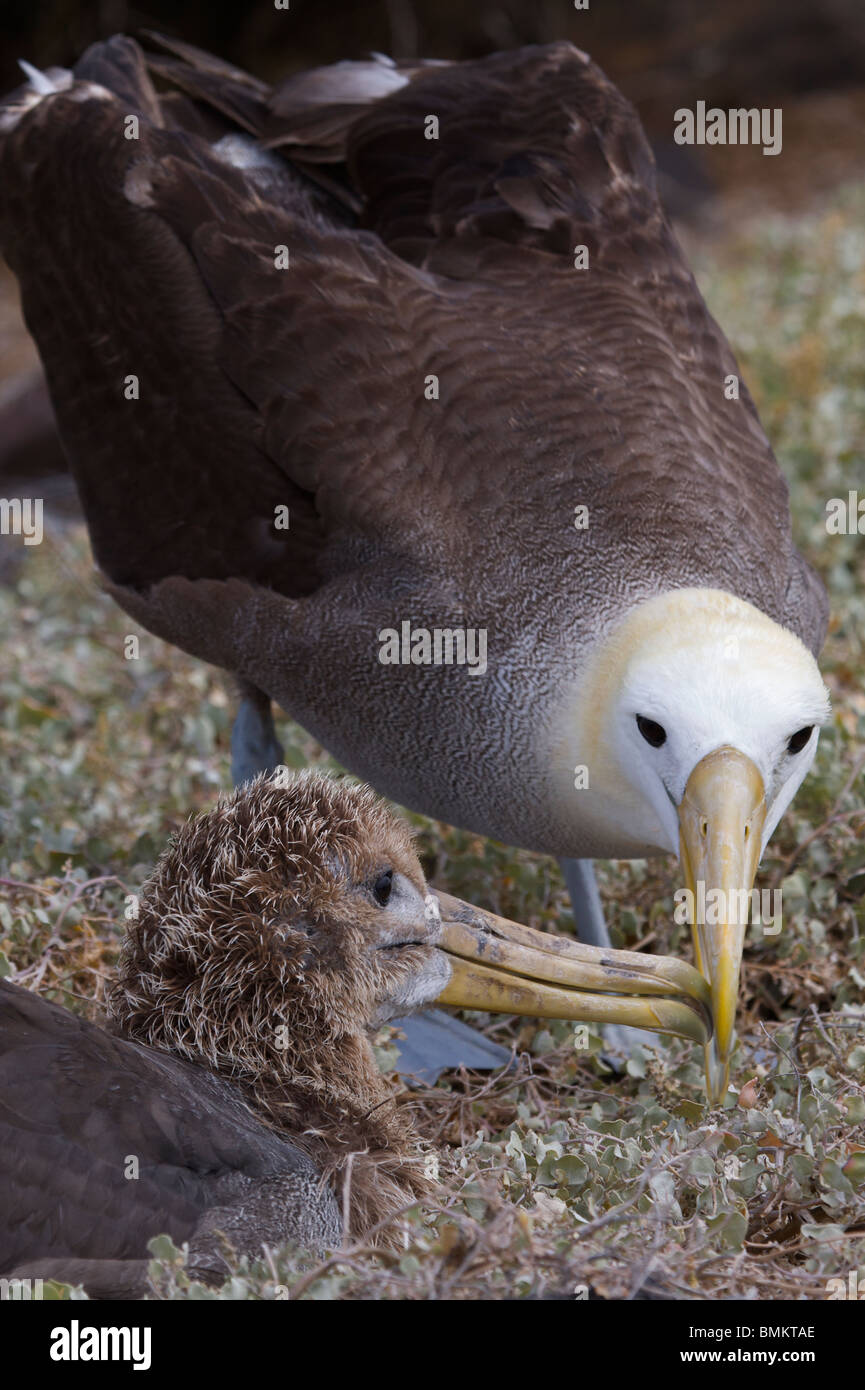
796, 742
653, 733
381, 889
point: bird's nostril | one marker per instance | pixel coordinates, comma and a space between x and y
704, 827
747, 829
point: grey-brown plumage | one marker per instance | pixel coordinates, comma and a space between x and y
260, 387
237, 1095
80, 1107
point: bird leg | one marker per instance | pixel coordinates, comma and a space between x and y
254, 745
582, 886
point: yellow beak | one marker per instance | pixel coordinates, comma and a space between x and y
721, 819
503, 967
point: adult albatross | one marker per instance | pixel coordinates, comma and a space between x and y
395, 363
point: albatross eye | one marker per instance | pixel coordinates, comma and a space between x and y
796, 742
653, 733
382, 887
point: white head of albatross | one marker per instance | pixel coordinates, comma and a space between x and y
698, 720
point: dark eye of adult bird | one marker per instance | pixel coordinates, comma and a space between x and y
653, 733
797, 741
381, 889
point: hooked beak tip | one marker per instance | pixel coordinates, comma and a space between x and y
721, 817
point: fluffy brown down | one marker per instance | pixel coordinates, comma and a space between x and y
247, 955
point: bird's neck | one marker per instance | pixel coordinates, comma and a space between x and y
346, 1115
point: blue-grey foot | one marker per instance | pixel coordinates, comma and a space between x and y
254, 745
582, 885
436, 1042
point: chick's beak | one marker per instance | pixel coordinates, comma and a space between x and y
721, 820
502, 967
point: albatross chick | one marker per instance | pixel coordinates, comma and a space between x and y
236, 1097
